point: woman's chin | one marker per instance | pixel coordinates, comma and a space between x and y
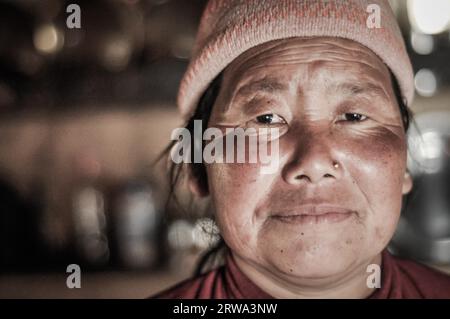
322, 262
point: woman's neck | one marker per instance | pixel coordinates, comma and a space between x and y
351, 284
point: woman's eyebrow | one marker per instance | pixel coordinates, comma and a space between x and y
272, 85
354, 89
267, 84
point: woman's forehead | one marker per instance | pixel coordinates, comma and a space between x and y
311, 55
331, 65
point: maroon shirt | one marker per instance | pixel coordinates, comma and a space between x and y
400, 279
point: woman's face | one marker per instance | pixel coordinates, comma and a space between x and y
335, 198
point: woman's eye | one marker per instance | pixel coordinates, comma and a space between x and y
354, 117
270, 118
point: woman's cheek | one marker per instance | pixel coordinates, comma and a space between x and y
377, 169
234, 187
243, 183
381, 162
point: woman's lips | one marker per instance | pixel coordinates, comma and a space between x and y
313, 214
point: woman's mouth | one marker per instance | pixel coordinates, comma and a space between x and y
313, 214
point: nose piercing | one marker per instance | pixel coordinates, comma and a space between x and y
336, 165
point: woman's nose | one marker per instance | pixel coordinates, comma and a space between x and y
312, 160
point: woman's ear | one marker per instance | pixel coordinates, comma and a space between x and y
407, 183
197, 185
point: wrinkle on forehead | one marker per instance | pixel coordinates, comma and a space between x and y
317, 48
254, 65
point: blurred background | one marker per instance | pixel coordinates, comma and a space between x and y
84, 113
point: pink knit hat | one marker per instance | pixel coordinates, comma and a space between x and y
230, 27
